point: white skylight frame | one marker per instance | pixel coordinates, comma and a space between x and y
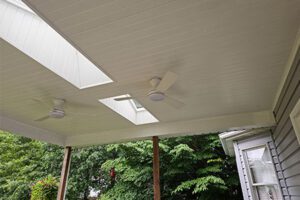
128, 110
25, 30
135, 106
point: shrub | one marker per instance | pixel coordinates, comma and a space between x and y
45, 189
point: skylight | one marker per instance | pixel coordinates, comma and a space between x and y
25, 30
132, 110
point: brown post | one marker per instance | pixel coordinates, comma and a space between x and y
64, 174
156, 185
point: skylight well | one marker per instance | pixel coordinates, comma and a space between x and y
137, 106
132, 110
25, 30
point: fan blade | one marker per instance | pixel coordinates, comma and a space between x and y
123, 98
167, 81
43, 103
42, 118
78, 106
80, 114
173, 102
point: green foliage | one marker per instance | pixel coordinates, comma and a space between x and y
133, 164
45, 189
192, 168
19, 165
85, 172
201, 184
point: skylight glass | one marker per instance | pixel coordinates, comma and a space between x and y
132, 110
25, 30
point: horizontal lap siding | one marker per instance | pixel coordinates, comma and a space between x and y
278, 169
285, 140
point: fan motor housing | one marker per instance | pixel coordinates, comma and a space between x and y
156, 96
57, 113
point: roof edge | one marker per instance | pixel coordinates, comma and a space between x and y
228, 138
287, 67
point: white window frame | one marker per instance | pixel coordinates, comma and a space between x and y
253, 143
252, 184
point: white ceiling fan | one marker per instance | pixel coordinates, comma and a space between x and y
57, 110
158, 91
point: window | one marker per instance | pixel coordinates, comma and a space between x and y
259, 180
262, 173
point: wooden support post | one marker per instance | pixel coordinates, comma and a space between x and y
64, 174
156, 185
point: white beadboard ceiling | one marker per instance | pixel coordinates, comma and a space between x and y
229, 56
25, 30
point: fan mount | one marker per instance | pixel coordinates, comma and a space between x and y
57, 109
159, 88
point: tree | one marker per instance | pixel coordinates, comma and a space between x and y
193, 167
19, 165
85, 171
213, 174
45, 189
133, 164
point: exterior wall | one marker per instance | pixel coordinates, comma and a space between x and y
279, 170
286, 145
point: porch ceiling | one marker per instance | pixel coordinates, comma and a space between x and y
229, 56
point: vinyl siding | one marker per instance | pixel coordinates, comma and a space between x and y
286, 144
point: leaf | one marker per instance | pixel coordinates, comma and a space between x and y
201, 184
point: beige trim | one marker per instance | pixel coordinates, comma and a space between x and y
295, 118
29, 131
228, 138
287, 68
171, 129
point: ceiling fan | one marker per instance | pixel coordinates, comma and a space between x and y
57, 109
158, 91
